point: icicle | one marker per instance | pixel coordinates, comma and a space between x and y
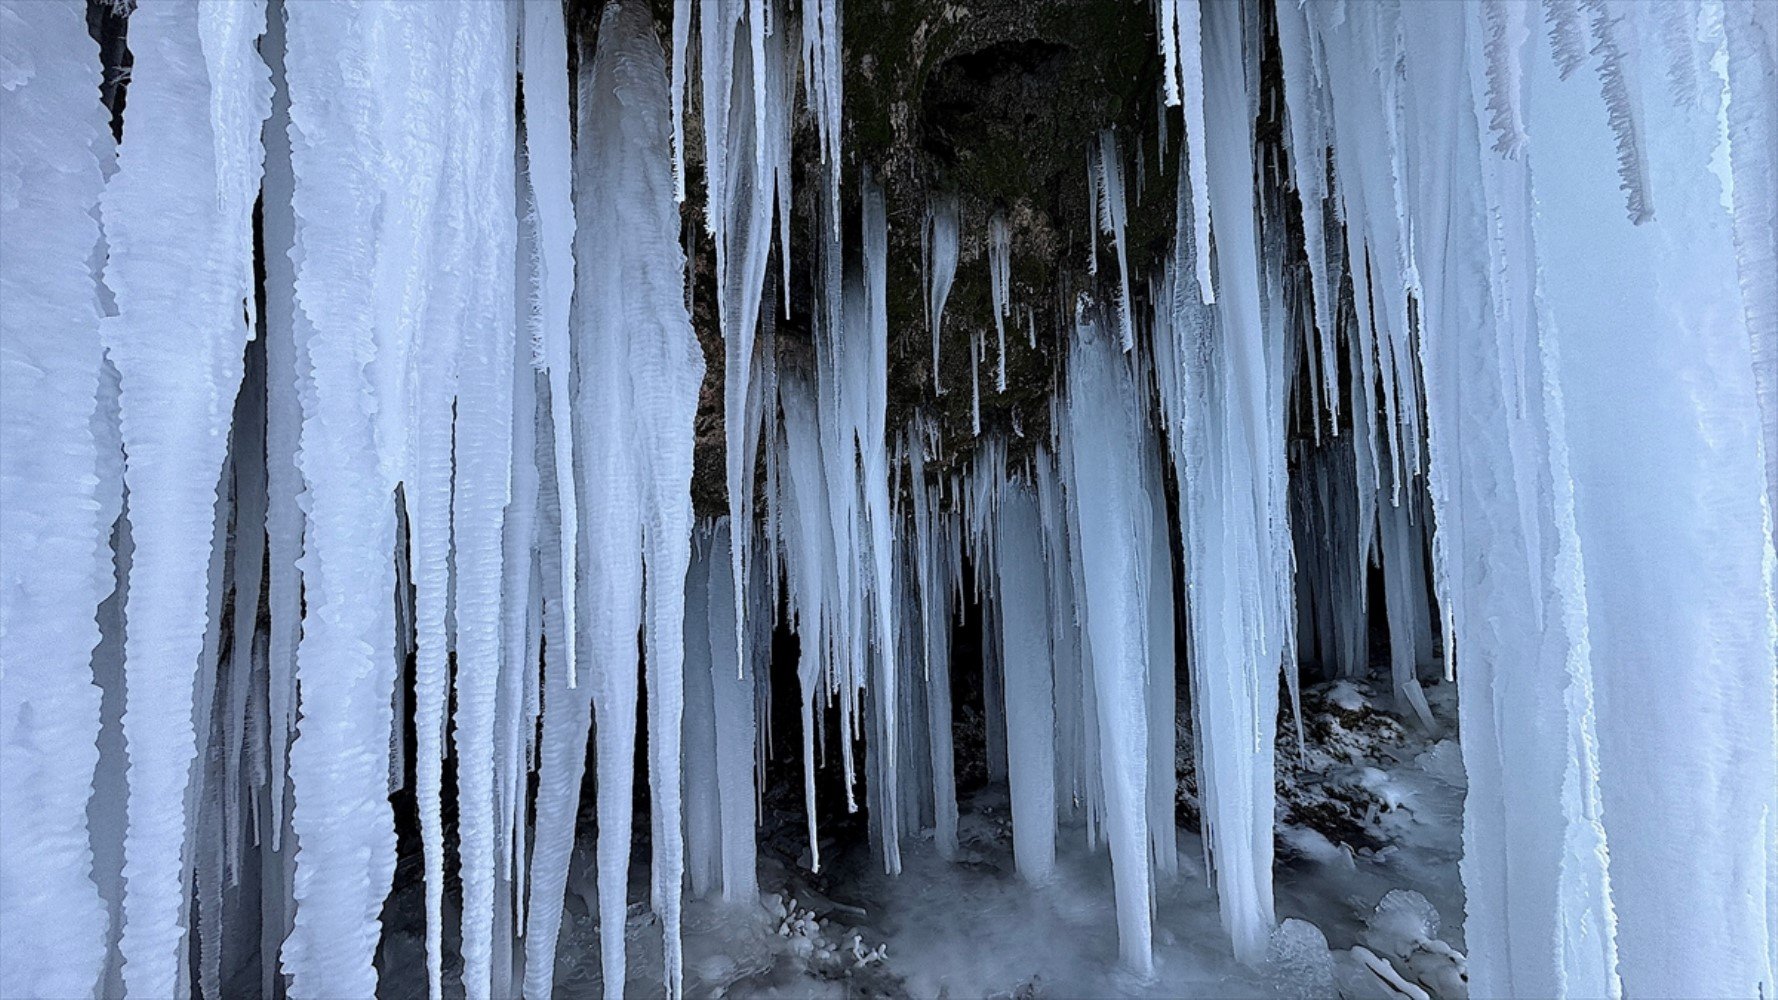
1526, 705
1167, 10
1622, 106
975, 383
1308, 161
742, 184
1687, 780
682, 14
248, 572
809, 559
703, 824
931, 536
1233, 515
1191, 67
286, 368
1568, 34
547, 152
177, 220
567, 717
1111, 219
1506, 34
1030, 715
1751, 48
1162, 695
734, 732
53, 478
1110, 528
1000, 284
519, 572
1403, 589
482, 479
942, 238
638, 398
867, 358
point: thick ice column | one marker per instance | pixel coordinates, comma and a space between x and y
1163, 704
612, 533
561, 753
548, 155
1112, 532
1030, 715
1539, 910
356, 329
807, 540
1654, 349
642, 370
745, 137
703, 824
1234, 511
1750, 44
482, 482
736, 797
55, 565
1404, 599
177, 219
933, 535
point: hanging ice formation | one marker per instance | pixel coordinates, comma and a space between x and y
1472, 301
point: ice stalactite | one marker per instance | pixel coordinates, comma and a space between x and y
430, 458
548, 154
703, 823
1750, 45
1000, 287
1162, 695
347, 282
1223, 369
1030, 712
177, 221
561, 756
1404, 599
865, 396
1112, 214
734, 718
477, 392
1540, 922
810, 572
641, 371
1109, 527
57, 565
1183, 49
934, 540
939, 241
1638, 313
747, 116
482, 479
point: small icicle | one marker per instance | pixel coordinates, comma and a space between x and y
1191, 67
1504, 21
1112, 209
942, 237
1620, 93
1000, 281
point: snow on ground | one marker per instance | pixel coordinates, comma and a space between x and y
1369, 835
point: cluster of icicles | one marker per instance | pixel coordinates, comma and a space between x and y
471, 385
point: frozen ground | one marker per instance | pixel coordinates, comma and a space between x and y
1369, 807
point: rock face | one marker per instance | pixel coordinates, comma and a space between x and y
998, 102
